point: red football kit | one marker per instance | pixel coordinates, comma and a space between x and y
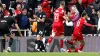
58, 26
77, 34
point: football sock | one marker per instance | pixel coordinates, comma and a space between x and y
61, 43
3, 44
81, 47
10, 42
50, 40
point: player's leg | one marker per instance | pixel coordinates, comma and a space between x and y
4, 32
10, 41
61, 35
72, 41
3, 43
69, 41
61, 46
11, 35
54, 29
82, 43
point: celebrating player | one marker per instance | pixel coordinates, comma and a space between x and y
58, 26
77, 34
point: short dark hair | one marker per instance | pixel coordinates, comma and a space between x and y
62, 3
72, 47
39, 5
83, 13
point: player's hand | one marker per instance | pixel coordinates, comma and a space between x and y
21, 35
95, 26
35, 16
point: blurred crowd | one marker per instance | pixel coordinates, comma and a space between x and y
24, 11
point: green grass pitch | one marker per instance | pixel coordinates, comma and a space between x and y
49, 54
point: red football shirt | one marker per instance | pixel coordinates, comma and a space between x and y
58, 15
79, 25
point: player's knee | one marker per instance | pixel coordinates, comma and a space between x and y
53, 34
62, 36
12, 35
74, 42
82, 42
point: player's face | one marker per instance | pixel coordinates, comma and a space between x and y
63, 6
39, 8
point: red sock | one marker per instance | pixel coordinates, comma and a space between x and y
61, 43
70, 42
50, 40
81, 47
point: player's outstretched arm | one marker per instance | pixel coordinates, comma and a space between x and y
88, 24
16, 25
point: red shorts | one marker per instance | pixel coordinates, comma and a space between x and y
58, 29
77, 36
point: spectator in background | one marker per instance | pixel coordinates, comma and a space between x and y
85, 3
23, 19
96, 5
80, 7
89, 10
94, 18
74, 14
7, 2
14, 4
67, 4
90, 1
18, 10
6, 12
92, 14
47, 9
32, 4
21, 2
